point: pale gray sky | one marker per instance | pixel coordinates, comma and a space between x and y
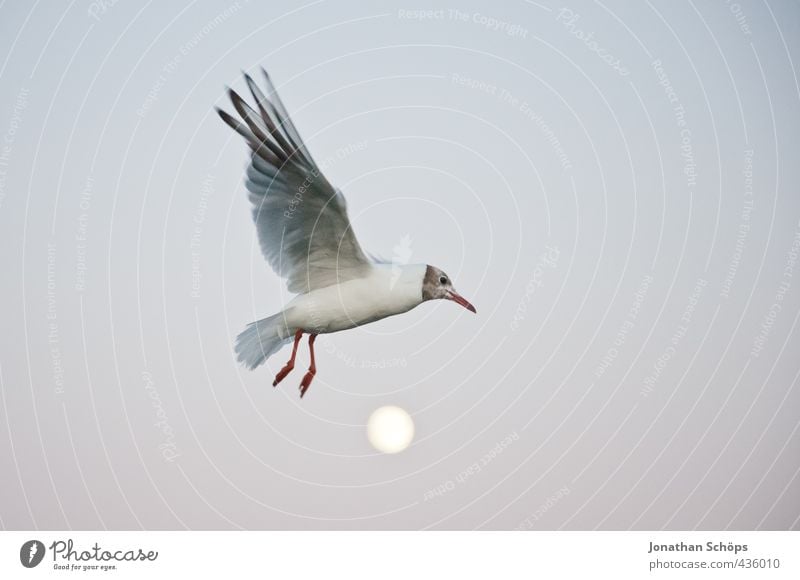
614, 186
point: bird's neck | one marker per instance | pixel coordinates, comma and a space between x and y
404, 281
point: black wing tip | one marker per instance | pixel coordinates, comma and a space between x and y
282, 142
229, 119
270, 85
234, 96
250, 82
222, 113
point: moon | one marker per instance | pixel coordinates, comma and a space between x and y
390, 429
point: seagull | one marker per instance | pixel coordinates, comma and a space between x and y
306, 237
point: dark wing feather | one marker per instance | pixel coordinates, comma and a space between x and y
302, 222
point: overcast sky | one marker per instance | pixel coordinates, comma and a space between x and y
614, 186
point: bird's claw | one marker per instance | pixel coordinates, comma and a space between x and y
282, 373
306, 382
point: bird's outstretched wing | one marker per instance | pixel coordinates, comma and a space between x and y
301, 218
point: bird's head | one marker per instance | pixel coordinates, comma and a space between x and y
436, 285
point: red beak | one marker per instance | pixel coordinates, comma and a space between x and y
459, 299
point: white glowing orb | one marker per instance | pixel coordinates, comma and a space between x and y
390, 429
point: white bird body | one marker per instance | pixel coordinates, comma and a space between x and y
307, 238
385, 291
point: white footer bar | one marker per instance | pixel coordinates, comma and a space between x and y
400, 555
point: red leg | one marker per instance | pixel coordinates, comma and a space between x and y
287, 368
312, 370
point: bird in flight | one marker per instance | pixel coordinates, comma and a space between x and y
306, 237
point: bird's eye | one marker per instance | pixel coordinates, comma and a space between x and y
442, 280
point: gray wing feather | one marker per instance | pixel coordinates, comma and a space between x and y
302, 222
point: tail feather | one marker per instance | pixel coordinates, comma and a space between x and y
261, 339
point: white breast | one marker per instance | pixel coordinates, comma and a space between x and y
386, 291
